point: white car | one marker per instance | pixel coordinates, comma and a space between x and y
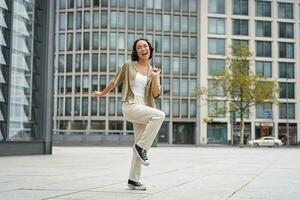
265, 141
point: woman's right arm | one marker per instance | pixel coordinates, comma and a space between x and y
109, 87
115, 82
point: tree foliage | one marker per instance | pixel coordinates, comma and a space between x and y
241, 88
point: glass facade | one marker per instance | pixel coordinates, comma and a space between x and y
25, 83
271, 36
95, 38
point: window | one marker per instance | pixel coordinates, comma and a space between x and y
193, 85
166, 44
286, 30
193, 66
216, 25
216, 109
69, 84
286, 70
93, 107
264, 68
77, 84
102, 106
78, 63
263, 108
140, 4
287, 90
215, 66
166, 86
158, 19
193, 24
176, 86
287, 111
215, 88
87, 20
216, 6
95, 41
95, 62
263, 29
62, 21
68, 106
176, 44
193, 46
240, 7
167, 5
286, 50
140, 21
86, 41
86, 62
166, 65
216, 46
167, 22
239, 42
96, 19
184, 108
85, 84
131, 3
184, 87
263, 49
239, 27
70, 3
149, 22
176, 23
77, 106
285, 10
263, 8
176, 108
69, 63
166, 107
78, 41
193, 5
69, 41
184, 66
121, 20
62, 4
104, 19
193, 108
184, 24
176, 5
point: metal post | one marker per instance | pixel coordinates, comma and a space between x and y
287, 118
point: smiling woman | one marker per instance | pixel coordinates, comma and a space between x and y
141, 86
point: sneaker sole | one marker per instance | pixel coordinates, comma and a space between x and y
136, 188
142, 161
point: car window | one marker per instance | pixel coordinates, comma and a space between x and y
268, 138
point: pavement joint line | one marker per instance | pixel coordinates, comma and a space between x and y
79, 191
9, 190
135, 192
252, 179
76, 179
163, 190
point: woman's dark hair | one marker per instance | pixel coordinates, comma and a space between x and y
134, 55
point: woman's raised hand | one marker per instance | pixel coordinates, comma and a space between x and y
155, 72
98, 93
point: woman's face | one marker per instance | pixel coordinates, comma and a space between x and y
143, 50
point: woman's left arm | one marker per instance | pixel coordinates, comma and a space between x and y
155, 81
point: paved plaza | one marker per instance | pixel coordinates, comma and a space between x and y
183, 173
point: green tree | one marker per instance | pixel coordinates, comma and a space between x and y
241, 88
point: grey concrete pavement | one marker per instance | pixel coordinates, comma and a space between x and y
183, 173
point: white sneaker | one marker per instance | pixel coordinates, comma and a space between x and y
141, 154
135, 185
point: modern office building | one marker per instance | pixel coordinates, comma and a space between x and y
26, 76
191, 40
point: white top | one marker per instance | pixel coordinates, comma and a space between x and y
139, 85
